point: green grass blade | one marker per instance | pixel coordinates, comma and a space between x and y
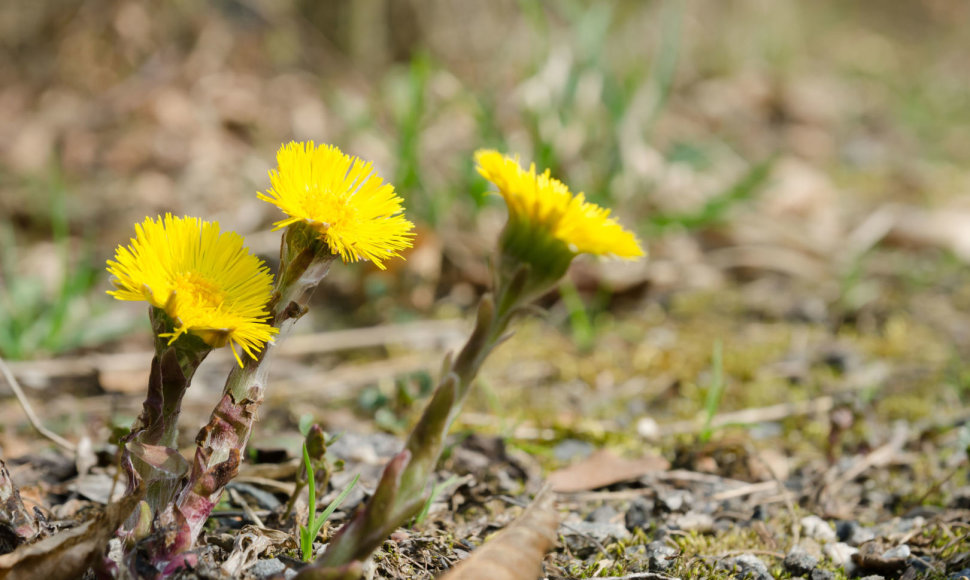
332, 507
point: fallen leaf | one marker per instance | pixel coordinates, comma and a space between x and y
17, 525
603, 468
250, 543
70, 553
516, 552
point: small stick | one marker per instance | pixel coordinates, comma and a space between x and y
29, 411
239, 499
641, 576
778, 555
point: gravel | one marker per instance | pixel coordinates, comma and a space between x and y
816, 528
746, 566
660, 556
850, 532
800, 562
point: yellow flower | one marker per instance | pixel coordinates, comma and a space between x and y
548, 225
340, 197
207, 282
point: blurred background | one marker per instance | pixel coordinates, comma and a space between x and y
798, 170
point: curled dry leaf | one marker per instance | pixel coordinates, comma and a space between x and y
603, 468
70, 553
516, 553
17, 525
252, 541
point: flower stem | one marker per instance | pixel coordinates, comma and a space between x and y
401, 491
222, 442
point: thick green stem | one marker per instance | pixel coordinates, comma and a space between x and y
150, 447
222, 442
401, 491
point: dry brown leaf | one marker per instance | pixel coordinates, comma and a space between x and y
71, 552
603, 468
17, 525
250, 543
516, 552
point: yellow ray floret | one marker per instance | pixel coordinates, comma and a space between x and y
354, 211
541, 202
205, 280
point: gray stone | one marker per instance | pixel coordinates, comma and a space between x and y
263, 499
841, 554
816, 528
692, 521
582, 537
675, 501
746, 566
660, 556
873, 577
960, 574
638, 515
820, 574
798, 561
604, 514
901, 551
850, 532
267, 568
572, 449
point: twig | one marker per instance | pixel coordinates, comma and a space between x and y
879, 456
641, 576
750, 489
778, 555
29, 411
595, 542
754, 415
241, 501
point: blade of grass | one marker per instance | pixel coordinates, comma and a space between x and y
715, 209
580, 325
332, 507
714, 393
315, 521
435, 492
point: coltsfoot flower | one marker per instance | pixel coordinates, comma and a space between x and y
548, 225
205, 280
342, 199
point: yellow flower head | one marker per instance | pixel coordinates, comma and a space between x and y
207, 282
547, 223
353, 210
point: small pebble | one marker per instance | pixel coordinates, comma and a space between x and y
675, 501
960, 575
648, 428
602, 515
798, 561
572, 449
661, 556
817, 528
841, 554
873, 577
637, 517
267, 568
852, 533
820, 574
746, 566
692, 522
579, 536
901, 551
